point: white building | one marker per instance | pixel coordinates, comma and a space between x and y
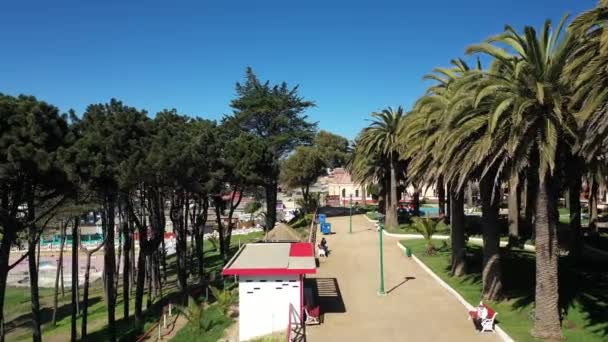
341, 186
271, 281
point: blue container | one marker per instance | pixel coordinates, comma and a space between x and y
326, 228
322, 218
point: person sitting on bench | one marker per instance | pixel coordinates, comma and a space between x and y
323, 245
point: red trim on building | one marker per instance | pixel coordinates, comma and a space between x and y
301, 249
267, 271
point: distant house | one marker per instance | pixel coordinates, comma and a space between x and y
341, 187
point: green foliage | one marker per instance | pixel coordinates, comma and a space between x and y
272, 117
311, 204
224, 298
303, 221
333, 148
214, 241
302, 168
252, 207
205, 323
427, 227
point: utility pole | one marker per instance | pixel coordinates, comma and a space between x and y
381, 290
350, 226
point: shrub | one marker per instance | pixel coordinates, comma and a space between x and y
427, 227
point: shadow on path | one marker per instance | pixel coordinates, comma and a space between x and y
327, 293
405, 280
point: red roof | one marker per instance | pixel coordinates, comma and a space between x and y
273, 259
301, 249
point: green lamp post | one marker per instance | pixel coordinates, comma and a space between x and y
350, 226
381, 289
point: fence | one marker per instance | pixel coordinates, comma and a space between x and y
312, 234
160, 329
296, 329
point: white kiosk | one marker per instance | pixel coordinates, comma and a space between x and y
270, 285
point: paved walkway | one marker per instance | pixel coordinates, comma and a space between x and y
416, 308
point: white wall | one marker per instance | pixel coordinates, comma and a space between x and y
264, 304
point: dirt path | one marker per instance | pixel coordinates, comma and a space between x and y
416, 308
283, 232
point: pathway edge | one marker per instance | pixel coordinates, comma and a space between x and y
503, 335
527, 247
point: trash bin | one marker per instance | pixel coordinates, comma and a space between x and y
322, 218
326, 228
408, 251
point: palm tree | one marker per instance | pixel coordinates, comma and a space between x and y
427, 227
587, 66
381, 140
526, 99
421, 134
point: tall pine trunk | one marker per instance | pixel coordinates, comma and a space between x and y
59, 272
514, 207
110, 267
199, 232
491, 273
127, 233
547, 320
85, 292
5, 251
33, 271
139, 285
271, 205
177, 213
75, 299
458, 267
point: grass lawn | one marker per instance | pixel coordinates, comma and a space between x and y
408, 228
17, 305
302, 225
582, 286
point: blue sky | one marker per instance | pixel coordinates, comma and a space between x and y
350, 57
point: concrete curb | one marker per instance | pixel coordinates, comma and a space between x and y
503, 335
443, 237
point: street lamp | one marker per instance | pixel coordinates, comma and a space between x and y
350, 226
381, 289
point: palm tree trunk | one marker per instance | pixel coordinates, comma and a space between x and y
448, 204
457, 237
470, 202
547, 320
530, 196
514, 210
593, 215
491, 274
391, 212
441, 196
416, 201
574, 200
